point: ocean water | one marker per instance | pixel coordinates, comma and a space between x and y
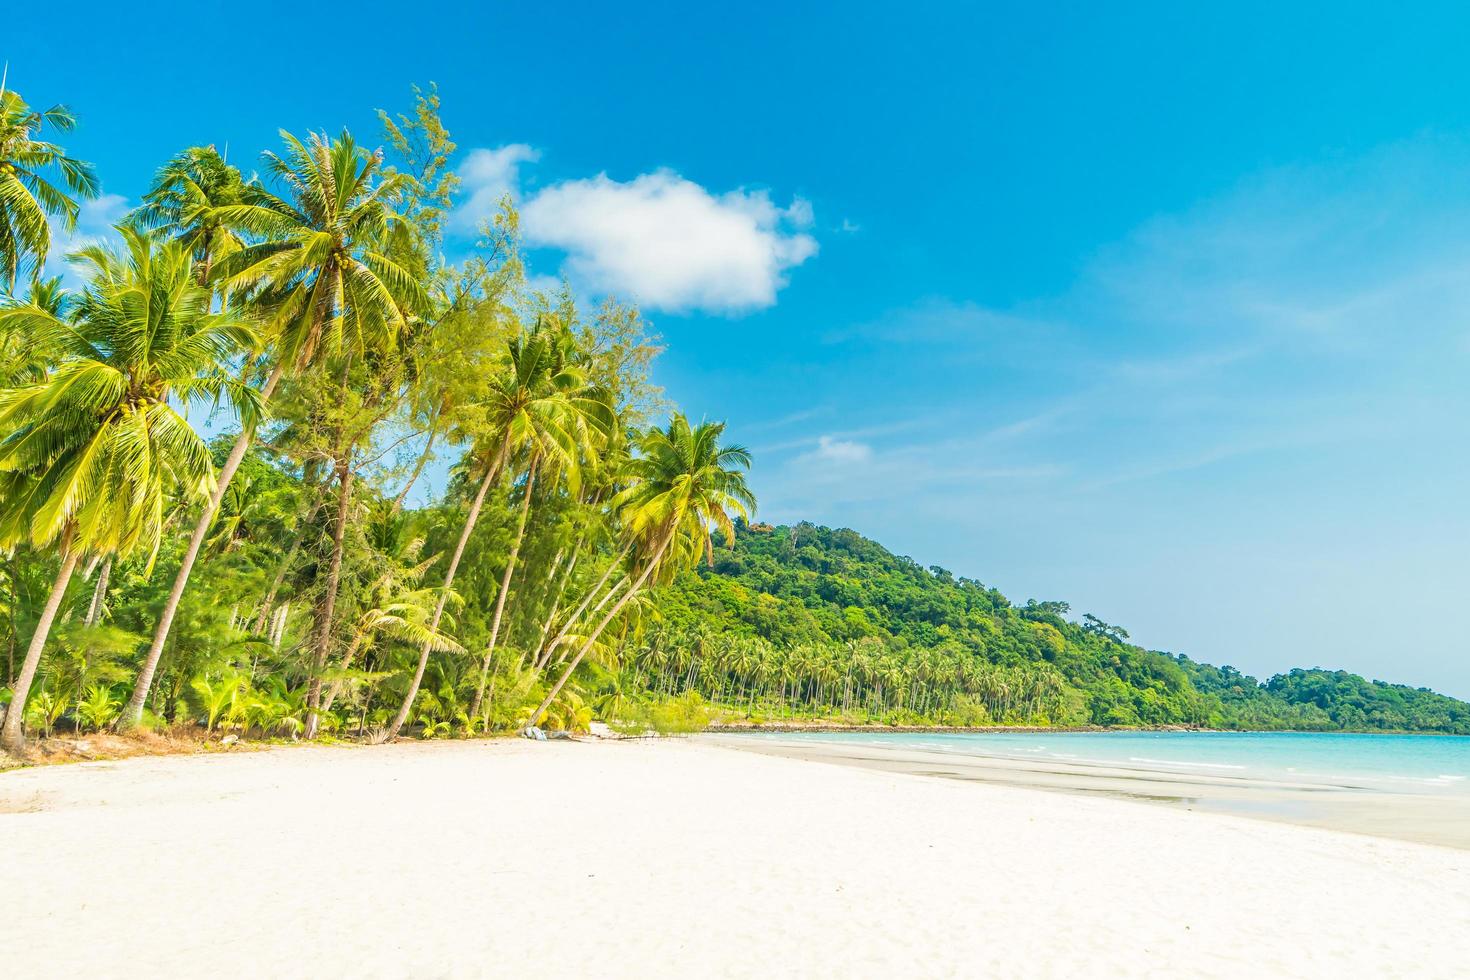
1419, 764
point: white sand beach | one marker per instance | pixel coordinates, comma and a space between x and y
680, 858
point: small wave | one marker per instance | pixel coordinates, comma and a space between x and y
1368, 779
1190, 765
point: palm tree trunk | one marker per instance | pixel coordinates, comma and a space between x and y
611, 615
14, 610
545, 656
99, 594
133, 713
345, 478
510, 567
561, 590
285, 565
336, 688
94, 613
12, 735
413, 478
464, 536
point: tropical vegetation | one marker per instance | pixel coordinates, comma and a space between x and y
808, 622
214, 511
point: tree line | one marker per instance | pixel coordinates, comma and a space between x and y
832, 617
861, 680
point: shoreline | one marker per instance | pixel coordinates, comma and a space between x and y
686, 858
1435, 819
877, 728
65, 750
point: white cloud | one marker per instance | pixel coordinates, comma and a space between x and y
843, 450
800, 213
488, 176
659, 239
669, 243
95, 220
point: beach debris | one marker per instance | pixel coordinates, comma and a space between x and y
229, 740
535, 734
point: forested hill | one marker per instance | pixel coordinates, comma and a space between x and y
832, 622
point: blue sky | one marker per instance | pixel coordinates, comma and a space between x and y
1158, 310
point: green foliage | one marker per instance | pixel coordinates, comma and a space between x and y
272, 708
98, 709
216, 697
681, 715
807, 619
44, 710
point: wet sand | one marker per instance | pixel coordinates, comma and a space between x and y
1428, 818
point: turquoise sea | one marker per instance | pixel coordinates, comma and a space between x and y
1386, 763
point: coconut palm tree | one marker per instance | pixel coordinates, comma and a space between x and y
25, 359
583, 411
185, 203
683, 485
316, 273
92, 453
319, 264
538, 402
599, 475
27, 197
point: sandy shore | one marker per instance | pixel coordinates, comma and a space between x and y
1427, 818
639, 859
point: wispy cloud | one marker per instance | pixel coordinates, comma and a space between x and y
843, 450
807, 442
1182, 367
959, 324
95, 221
789, 419
836, 475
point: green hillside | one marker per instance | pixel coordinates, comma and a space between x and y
812, 621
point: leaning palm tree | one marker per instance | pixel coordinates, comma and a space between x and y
27, 197
92, 453
538, 401
683, 486
316, 273
585, 412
